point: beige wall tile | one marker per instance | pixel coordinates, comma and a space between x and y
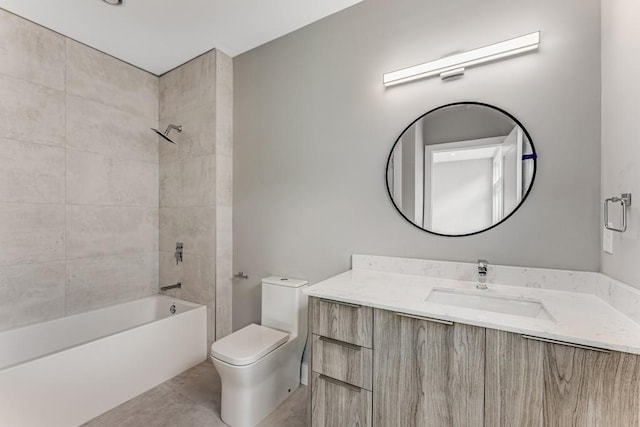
224, 181
91, 283
31, 172
57, 94
143, 279
211, 326
194, 226
31, 233
224, 271
94, 75
101, 281
31, 293
94, 179
99, 128
224, 104
190, 86
188, 182
30, 112
31, 52
198, 136
224, 194
193, 181
94, 231
111, 177
198, 181
199, 279
170, 184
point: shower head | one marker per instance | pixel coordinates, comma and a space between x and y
165, 134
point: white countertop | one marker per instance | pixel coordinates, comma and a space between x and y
579, 318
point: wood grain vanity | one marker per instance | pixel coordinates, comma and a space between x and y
374, 367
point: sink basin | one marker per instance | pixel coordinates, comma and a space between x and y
486, 302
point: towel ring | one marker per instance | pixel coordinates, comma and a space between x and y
625, 201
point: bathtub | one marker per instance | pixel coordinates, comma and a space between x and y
67, 371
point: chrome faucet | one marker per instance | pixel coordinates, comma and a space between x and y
482, 274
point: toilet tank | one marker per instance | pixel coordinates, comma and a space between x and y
284, 305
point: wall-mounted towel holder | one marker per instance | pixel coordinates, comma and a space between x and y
625, 201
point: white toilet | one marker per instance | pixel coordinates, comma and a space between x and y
259, 365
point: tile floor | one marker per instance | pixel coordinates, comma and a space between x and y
192, 399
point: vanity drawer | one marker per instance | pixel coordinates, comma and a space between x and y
338, 404
341, 321
346, 362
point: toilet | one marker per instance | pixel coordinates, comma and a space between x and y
259, 365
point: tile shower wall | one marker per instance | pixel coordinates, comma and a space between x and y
195, 185
78, 176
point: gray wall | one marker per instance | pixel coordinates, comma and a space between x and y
78, 177
621, 129
314, 126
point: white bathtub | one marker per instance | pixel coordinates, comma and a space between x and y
67, 371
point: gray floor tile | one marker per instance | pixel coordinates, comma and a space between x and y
192, 399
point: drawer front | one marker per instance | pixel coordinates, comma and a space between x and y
338, 404
343, 361
343, 322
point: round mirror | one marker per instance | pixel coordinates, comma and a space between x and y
461, 169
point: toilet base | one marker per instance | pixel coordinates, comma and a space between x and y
250, 393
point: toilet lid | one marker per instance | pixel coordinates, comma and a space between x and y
248, 345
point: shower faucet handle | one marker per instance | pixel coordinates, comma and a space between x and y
179, 252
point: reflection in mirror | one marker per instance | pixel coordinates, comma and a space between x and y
461, 169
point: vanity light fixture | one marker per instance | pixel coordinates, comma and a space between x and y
454, 65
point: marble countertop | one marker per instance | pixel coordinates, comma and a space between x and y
578, 318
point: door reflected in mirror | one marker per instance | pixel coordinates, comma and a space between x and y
461, 169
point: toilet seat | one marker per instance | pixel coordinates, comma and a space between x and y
248, 345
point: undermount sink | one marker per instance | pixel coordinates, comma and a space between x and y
486, 302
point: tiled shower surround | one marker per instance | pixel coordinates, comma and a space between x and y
80, 201
195, 185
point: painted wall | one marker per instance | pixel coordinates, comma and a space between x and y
195, 185
314, 126
621, 130
78, 177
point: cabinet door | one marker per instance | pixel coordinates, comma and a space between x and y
338, 404
427, 373
514, 380
590, 388
535, 383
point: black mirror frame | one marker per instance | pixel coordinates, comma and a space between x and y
524, 198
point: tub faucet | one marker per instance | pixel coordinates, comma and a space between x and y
482, 274
176, 286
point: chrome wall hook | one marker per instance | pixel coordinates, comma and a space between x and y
625, 201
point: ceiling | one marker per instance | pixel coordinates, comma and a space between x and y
159, 35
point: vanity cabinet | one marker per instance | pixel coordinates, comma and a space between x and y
341, 364
379, 368
427, 372
533, 382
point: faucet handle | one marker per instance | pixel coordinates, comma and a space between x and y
482, 274
483, 265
